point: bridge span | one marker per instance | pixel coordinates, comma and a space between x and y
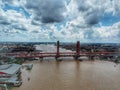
76, 54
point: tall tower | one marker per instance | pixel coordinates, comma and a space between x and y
77, 50
58, 52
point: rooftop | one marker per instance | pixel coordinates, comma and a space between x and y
9, 68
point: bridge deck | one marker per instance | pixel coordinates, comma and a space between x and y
61, 54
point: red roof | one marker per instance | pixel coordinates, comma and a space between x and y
1, 88
2, 73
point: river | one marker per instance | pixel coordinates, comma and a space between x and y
71, 75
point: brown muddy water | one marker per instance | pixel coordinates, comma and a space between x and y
71, 75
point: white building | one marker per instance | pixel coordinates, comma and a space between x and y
9, 72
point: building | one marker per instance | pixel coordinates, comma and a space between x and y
9, 72
3, 87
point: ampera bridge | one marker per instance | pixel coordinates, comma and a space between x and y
76, 54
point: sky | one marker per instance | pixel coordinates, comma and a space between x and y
89, 21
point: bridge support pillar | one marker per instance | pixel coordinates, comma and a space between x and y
58, 52
77, 50
41, 59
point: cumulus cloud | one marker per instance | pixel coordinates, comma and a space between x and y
11, 2
92, 10
93, 17
19, 27
116, 7
13, 24
47, 11
68, 20
4, 20
83, 5
107, 33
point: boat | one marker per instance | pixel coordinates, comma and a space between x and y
12, 83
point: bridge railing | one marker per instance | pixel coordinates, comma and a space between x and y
53, 54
